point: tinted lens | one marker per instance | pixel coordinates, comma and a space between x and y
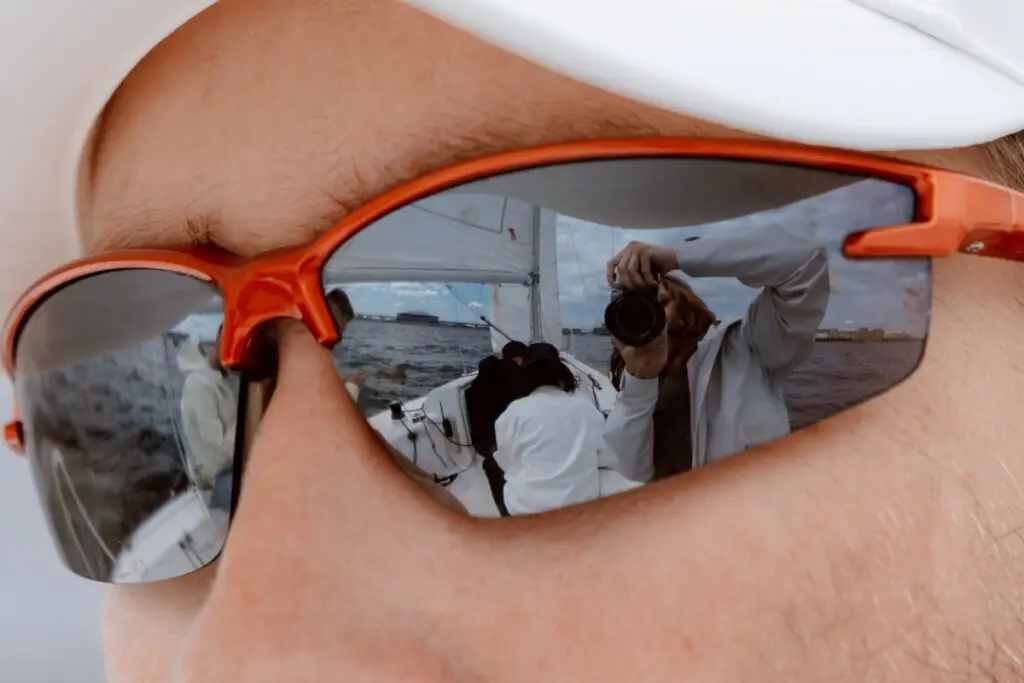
770, 327
130, 423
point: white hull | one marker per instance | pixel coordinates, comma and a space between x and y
156, 550
433, 433
441, 447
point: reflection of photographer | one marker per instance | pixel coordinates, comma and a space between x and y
692, 392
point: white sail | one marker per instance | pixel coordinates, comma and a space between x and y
532, 314
444, 238
494, 230
463, 237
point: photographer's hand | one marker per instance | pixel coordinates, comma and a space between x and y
634, 264
645, 362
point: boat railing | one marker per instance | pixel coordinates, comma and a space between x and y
59, 467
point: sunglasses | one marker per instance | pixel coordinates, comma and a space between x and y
140, 375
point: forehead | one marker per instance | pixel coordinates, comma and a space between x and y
255, 127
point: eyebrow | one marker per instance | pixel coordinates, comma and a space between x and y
1003, 160
148, 225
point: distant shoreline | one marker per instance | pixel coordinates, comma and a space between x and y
823, 335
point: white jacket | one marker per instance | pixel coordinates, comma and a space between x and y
736, 397
209, 411
549, 445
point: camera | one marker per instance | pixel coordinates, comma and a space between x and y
635, 316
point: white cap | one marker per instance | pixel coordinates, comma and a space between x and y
869, 74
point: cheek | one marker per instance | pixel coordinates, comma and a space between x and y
147, 626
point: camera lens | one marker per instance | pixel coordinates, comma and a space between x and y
635, 317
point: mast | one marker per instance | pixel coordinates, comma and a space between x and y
536, 319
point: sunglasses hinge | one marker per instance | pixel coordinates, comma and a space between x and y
14, 435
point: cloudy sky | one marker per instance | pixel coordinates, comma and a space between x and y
891, 294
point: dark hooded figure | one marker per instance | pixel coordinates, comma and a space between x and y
486, 399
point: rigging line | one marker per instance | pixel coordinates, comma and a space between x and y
437, 454
430, 421
460, 221
582, 371
56, 466
483, 319
594, 384
412, 438
579, 265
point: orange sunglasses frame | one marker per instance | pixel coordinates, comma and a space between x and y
954, 212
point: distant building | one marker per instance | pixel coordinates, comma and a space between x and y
417, 317
862, 334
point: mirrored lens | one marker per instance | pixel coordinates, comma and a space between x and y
767, 327
130, 423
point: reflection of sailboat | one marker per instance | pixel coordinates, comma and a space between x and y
495, 231
507, 243
180, 537
187, 532
63, 482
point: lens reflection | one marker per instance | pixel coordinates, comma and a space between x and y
130, 423
767, 327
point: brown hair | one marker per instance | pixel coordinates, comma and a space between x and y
1002, 160
690, 310
340, 299
688, 315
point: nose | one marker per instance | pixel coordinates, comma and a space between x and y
332, 552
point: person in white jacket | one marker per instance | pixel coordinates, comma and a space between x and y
209, 413
731, 372
548, 441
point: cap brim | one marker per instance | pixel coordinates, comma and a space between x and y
824, 72
62, 61
827, 72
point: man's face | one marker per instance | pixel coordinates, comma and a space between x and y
263, 122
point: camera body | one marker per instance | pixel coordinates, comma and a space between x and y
635, 317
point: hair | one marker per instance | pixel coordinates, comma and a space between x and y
693, 319
340, 299
1002, 160
490, 365
616, 366
692, 314
545, 373
514, 349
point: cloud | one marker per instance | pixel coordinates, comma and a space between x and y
416, 290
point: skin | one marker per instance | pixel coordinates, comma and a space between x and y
880, 545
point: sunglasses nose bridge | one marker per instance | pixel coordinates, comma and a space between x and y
250, 300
